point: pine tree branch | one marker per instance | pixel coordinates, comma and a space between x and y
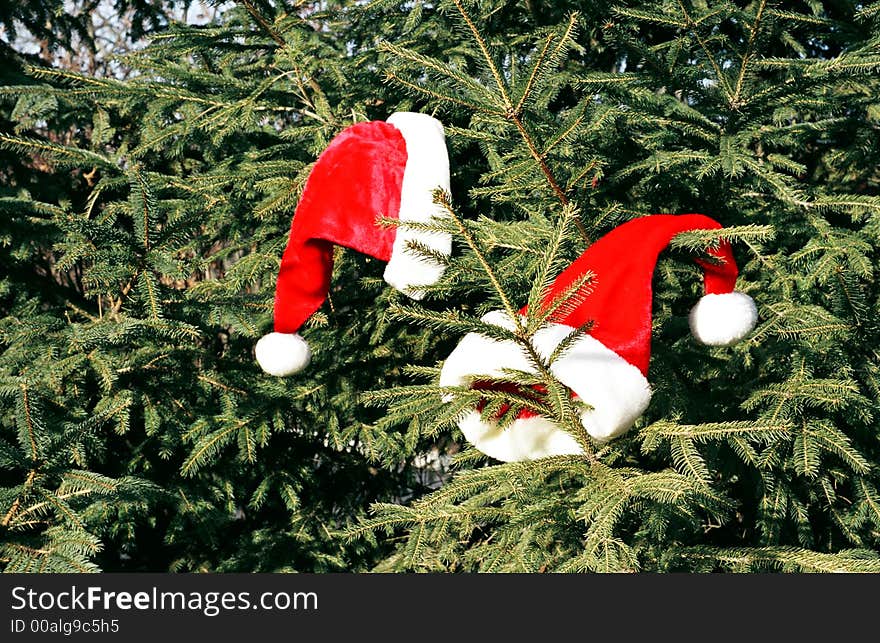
222, 386
534, 75
718, 72
734, 101
509, 308
481, 43
536, 154
15, 505
256, 15
513, 114
521, 329
29, 422
436, 96
40, 505
279, 40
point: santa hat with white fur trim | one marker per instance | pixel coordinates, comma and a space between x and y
607, 367
370, 170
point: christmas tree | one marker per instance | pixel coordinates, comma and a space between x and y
144, 220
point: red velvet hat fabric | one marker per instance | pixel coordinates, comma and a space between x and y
355, 181
622, 263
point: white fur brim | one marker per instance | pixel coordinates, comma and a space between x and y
282, 354
615, 389
723, 319
525, 439
427, 169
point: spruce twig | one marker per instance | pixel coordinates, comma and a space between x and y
514, 115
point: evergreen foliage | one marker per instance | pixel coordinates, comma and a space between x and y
139, 434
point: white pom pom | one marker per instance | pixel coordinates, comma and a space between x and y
721, 320
282, 354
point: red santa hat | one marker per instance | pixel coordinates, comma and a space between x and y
607, 367
370, 170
